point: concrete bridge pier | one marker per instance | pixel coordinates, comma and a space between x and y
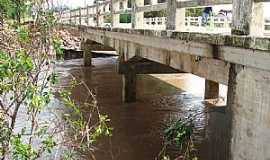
87, 55
129, 86
211, 90
138, 65
249, 108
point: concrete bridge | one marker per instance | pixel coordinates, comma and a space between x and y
240, 60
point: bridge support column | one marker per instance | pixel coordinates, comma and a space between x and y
249, 108
87, 55
211, 90
129, 87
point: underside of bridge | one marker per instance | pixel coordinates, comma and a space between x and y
138, 65
89, 47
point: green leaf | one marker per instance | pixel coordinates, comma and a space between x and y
57, 46
23, 35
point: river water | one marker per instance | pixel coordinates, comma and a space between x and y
138, 127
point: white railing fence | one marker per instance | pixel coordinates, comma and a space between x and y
95, 15
213, 24
156, 23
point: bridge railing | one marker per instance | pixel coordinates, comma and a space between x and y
267, 27
156, 23
215, 25
131, 14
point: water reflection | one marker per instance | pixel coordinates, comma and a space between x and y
138, 127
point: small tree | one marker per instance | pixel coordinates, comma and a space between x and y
27, 78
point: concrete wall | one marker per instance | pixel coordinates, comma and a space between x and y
249, 105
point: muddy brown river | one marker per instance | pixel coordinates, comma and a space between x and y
138, 127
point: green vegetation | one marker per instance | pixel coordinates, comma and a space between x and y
15, 9
125, 18
27, 80
194, 12
179, 134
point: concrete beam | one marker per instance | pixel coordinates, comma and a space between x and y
157, 7
127, 11
248, 107
248, 51
182, 59
244, 42
144, 66
200, 3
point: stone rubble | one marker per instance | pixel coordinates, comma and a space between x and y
69, 41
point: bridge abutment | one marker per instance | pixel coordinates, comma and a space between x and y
248, 107
211, 90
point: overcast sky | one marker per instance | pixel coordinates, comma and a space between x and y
78, 3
